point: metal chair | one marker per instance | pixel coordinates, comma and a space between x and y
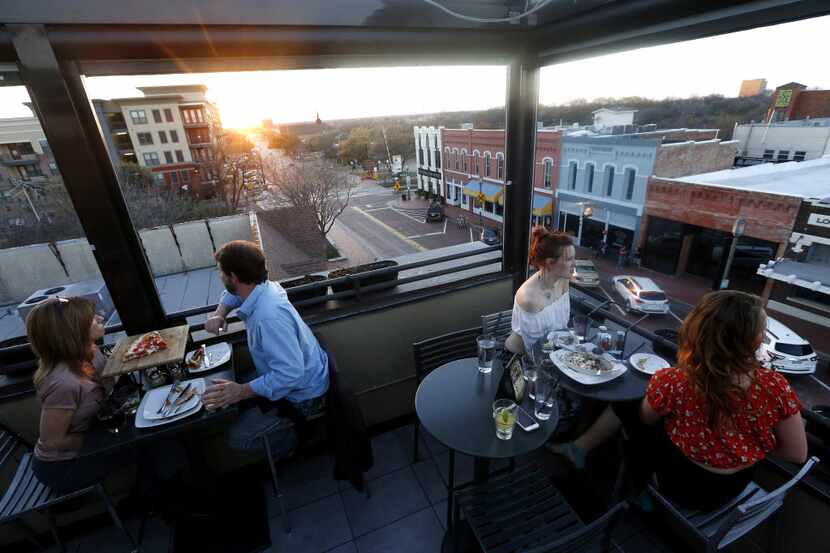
498, 324
27, 494
434, 352
712, 531
523, 511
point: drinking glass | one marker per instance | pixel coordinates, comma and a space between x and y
543, 403
618, 344
486, 352
530, 369
504, 415
580, 326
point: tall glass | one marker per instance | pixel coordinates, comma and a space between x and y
504, 416
486, 353
544, 400
579, 326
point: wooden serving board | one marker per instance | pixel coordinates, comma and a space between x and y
176, 338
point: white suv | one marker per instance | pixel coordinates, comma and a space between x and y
641, 294
787, 351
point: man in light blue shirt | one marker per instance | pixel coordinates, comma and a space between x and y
289, 362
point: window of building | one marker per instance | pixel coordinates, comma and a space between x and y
138, 116
572, 169
630, 175
769, 154
783, 155
151, 159
488, 207
476, 164
547, 173
799, 155
145, 138
168, 157
157, 116
487, 164
500, 166
609, 180
437, 158
44, 145
465, 161
163, 137
179, 156
185, 176
589, 178
53, 167
168, 115
457, 158
174, 136
174, 177
429, 157
499, 210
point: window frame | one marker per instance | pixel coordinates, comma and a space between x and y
154, 157
589, 177
144, 138
168, 115
138, 119
174, 136
630, 184
547, 172
162, 137
156, 115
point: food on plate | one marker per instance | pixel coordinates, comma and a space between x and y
186, 396
144, 346
583, 361
642, 362
196, 358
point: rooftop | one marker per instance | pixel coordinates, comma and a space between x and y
807, 179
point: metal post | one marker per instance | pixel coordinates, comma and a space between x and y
66, 115
520, 141
724, 283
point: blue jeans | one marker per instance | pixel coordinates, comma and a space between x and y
247, 431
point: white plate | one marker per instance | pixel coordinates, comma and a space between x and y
651, 363
141, 422
153, 400
219, 354
558, 357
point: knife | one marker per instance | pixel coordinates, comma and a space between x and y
178, 397
166, 399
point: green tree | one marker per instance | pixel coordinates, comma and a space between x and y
357, 145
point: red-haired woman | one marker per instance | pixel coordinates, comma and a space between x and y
542, 303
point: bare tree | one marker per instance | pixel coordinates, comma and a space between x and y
236, 158
313, 184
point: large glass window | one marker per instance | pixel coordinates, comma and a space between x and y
548, 172
589, 178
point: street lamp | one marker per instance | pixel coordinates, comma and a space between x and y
738, 228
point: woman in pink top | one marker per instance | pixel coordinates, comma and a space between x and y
62, 333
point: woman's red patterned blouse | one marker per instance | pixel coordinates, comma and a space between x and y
769, 399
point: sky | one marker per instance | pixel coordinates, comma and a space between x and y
715, 65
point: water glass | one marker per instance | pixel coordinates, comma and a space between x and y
580, 326
530, 373
486, 353
544, 400
618, 344
504, 415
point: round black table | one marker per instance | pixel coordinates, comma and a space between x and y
455, 404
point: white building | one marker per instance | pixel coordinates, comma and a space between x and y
428, 159
799, 140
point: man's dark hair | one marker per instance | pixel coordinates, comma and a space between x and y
244, 259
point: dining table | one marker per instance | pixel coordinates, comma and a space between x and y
454, 403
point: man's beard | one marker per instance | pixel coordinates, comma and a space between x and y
231, 289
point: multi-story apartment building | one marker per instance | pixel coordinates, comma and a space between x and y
173, 131
24, 151
428, 159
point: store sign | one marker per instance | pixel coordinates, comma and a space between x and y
819, 220
428, 173
783, 98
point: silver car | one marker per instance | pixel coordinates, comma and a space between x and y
585, 273
641, 294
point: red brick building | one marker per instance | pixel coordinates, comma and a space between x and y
687, 228
473, 172
793, 101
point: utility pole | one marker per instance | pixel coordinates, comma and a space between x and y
737, 231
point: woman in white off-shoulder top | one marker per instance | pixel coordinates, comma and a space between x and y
543, 303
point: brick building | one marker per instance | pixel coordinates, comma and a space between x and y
688, 223
793, 101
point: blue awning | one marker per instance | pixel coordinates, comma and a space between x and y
492, 191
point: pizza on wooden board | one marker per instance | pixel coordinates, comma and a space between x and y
147, 344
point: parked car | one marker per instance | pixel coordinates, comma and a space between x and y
585, 273
787, 351
435, 213
490, 236
641, 294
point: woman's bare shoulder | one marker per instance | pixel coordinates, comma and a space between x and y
529, 298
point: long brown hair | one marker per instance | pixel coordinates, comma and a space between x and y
59, 332
717, 348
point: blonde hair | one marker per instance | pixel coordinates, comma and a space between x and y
59, 332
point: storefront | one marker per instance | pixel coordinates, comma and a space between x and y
593, 221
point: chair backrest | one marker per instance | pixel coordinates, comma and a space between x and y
746, 516
9, 443
434, 352
498, 324
595, 537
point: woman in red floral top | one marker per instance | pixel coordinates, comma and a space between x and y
721, 411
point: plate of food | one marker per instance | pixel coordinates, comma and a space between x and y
208, 357
648, 363
563, 339
585, 367
145, 346
173, 399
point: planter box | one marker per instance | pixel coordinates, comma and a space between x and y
304, 294
365, 281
